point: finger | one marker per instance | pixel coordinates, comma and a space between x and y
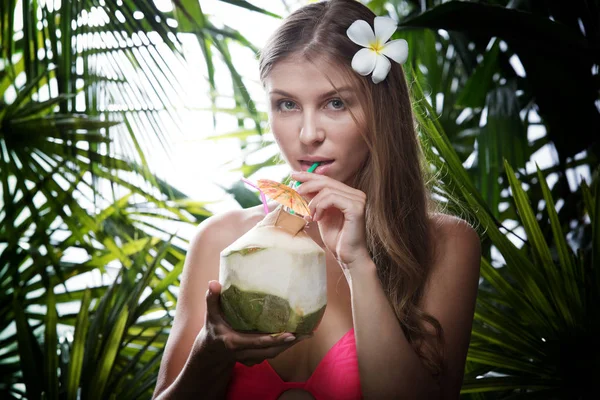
302, 177
316, 186
256, 356
213, 305
240, 341
352, 209
305, 178
252, 355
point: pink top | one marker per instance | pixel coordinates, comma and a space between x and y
335, 378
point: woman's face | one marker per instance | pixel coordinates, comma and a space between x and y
311, 123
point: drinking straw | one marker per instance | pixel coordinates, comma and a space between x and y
262, 195
311, 169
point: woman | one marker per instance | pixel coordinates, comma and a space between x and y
398, 326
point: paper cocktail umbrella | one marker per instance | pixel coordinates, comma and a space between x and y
284, 195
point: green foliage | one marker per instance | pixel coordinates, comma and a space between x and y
535, 321
58, 156
556, 55
465, 52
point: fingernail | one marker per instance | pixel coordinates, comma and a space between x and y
289, 339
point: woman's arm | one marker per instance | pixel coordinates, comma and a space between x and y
449, 296
205, 375
190, 366
389, 368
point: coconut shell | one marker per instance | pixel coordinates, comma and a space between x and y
280, 218
274, 278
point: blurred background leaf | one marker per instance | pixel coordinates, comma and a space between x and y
91, 90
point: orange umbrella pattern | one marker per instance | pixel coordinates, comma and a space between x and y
284, 195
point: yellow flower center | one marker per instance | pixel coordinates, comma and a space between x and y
376, 46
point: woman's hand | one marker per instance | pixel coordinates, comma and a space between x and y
246, 348
339, 211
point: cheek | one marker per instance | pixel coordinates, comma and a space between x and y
351, 138
283, 134
355, 145
283, 125
281, 130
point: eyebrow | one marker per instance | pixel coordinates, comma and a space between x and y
330, 93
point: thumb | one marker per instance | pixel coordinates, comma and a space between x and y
213, 307
214, 287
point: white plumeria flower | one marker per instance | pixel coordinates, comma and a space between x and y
373, 57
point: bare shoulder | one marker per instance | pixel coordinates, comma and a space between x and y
454, 237
451, 291
222, 229
217, 232
451, 224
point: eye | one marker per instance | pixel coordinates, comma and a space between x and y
286, 103
339, 102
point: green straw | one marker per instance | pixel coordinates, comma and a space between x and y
311, 169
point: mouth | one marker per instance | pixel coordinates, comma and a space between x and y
307, 164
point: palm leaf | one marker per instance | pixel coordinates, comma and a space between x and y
77, 351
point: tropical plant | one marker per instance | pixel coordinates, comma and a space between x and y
119, 331
536, 320
81, 83
501, 60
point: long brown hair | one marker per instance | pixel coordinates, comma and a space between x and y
394, 175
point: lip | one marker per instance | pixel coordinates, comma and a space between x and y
315, 159
321, 169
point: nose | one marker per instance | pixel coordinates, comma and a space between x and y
310, 131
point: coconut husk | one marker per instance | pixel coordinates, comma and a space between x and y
282, 219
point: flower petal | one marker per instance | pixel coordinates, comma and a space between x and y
384, 28
397, 50
382, 67
360, 32
363, 61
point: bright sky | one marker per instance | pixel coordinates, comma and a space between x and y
194, 168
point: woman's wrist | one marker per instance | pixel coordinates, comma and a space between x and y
208, 352
206, 373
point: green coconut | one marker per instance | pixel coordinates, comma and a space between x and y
274, 278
